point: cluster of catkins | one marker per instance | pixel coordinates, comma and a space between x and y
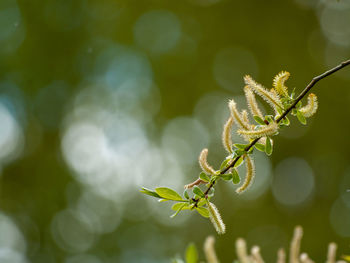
255, 256
265, 127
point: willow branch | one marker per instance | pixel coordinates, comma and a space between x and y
284, 114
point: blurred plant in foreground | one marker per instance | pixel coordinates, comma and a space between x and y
256, 136
191, 255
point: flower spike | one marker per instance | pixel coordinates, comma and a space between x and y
237, 116
252, 104
311, 107
278, 83
215, 218
226, 135
250, 175
270, 97
204, 164
267, 130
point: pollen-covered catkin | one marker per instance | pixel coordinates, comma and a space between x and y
250, 174
270, 97
267, 130
215, 218
226, 135
204, 163
252, 104
278, 83
209, 250
295, 245
311, 106
237, 116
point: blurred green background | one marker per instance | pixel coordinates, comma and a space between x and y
101, 97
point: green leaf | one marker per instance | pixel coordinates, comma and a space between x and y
240, 146
168, 193
235, 177
259, 120
178, 210
226, 177
268, 147
186, 194
202, 202
191, 254
176, 206
204, 177
196, 190
260, 147
149, 192
301, 118
239, 162
203, 211
224, 163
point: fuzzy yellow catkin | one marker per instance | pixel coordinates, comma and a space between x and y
278, 83
204, 163
250, 174
295, 245
270, 97
331, 255
241, 250
237, 116
255, 251
226, 135
215, 218
311, 106
209, 250
252, 104
281, 256
267, 130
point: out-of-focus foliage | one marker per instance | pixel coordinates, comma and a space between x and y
101, 97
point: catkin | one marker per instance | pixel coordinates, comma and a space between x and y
209, 250
311, 107
215, 218
267, 130
250, 175
204, 163
226, 135
270, 97
252, 104
278, 83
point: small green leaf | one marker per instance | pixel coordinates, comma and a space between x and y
186, 194
178, 210
239, 162
176, 206
259, 120
235, 177
269, 118
204, 177
168, 193
301, 118
240, 146
268, 147
211, 192
203, 211
196, 190
227, 176
201, 202
260, 147
149, 192
224, 163
191, 254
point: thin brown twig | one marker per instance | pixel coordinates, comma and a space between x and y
284, 114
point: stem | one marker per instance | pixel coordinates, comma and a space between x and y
284, 114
